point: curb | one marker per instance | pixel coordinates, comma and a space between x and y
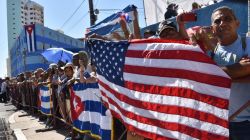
17, 132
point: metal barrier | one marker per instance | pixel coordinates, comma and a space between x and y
25, 95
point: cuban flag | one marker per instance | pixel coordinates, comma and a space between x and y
30, 37
87, 111
111, 23
45, 103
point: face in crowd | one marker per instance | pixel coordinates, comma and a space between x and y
167, 30
83, 58
68, 71
225, 25
75, 59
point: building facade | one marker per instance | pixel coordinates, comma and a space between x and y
19, 14
31, 13
33, 40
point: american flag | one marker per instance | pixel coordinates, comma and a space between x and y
163, 89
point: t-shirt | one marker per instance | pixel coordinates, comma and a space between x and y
227, 55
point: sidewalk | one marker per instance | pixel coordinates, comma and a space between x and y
25, 126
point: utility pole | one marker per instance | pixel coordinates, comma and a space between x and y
91, 13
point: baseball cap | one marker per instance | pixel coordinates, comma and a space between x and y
67, 66
53, 66
165, 24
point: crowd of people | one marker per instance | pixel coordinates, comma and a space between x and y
220, 41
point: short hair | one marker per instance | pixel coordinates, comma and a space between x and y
221, 9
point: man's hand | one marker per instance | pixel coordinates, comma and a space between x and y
71, 82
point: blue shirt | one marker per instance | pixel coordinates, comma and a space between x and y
228, 55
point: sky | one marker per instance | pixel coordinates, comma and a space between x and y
56, 12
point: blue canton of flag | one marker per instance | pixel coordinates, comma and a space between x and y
109, 57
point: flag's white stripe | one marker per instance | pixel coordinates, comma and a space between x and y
150, 128
89, 94
45, 105
191, 122
163, 46
177, 64
28, 41
33, 41
105, 122
202, 88
169, 100
45, 93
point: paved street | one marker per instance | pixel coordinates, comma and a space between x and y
6, 110
24, 127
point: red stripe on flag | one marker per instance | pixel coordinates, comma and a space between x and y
180, 73
178, 92
134, 129
166, 125
160, 41
168, 109
170, 54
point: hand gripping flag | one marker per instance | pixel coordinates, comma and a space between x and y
45, 105
163, 89
87, 111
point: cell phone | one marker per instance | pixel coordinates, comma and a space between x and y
189, 17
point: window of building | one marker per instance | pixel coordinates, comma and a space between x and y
14, 38
14, 28
13, 8
14, 23
13, 18
31, 17
13, 3
31, 23
31, 8
31, 13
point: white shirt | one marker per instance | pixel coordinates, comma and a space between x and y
3, 87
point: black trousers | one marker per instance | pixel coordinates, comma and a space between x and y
3, 97
239, 130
